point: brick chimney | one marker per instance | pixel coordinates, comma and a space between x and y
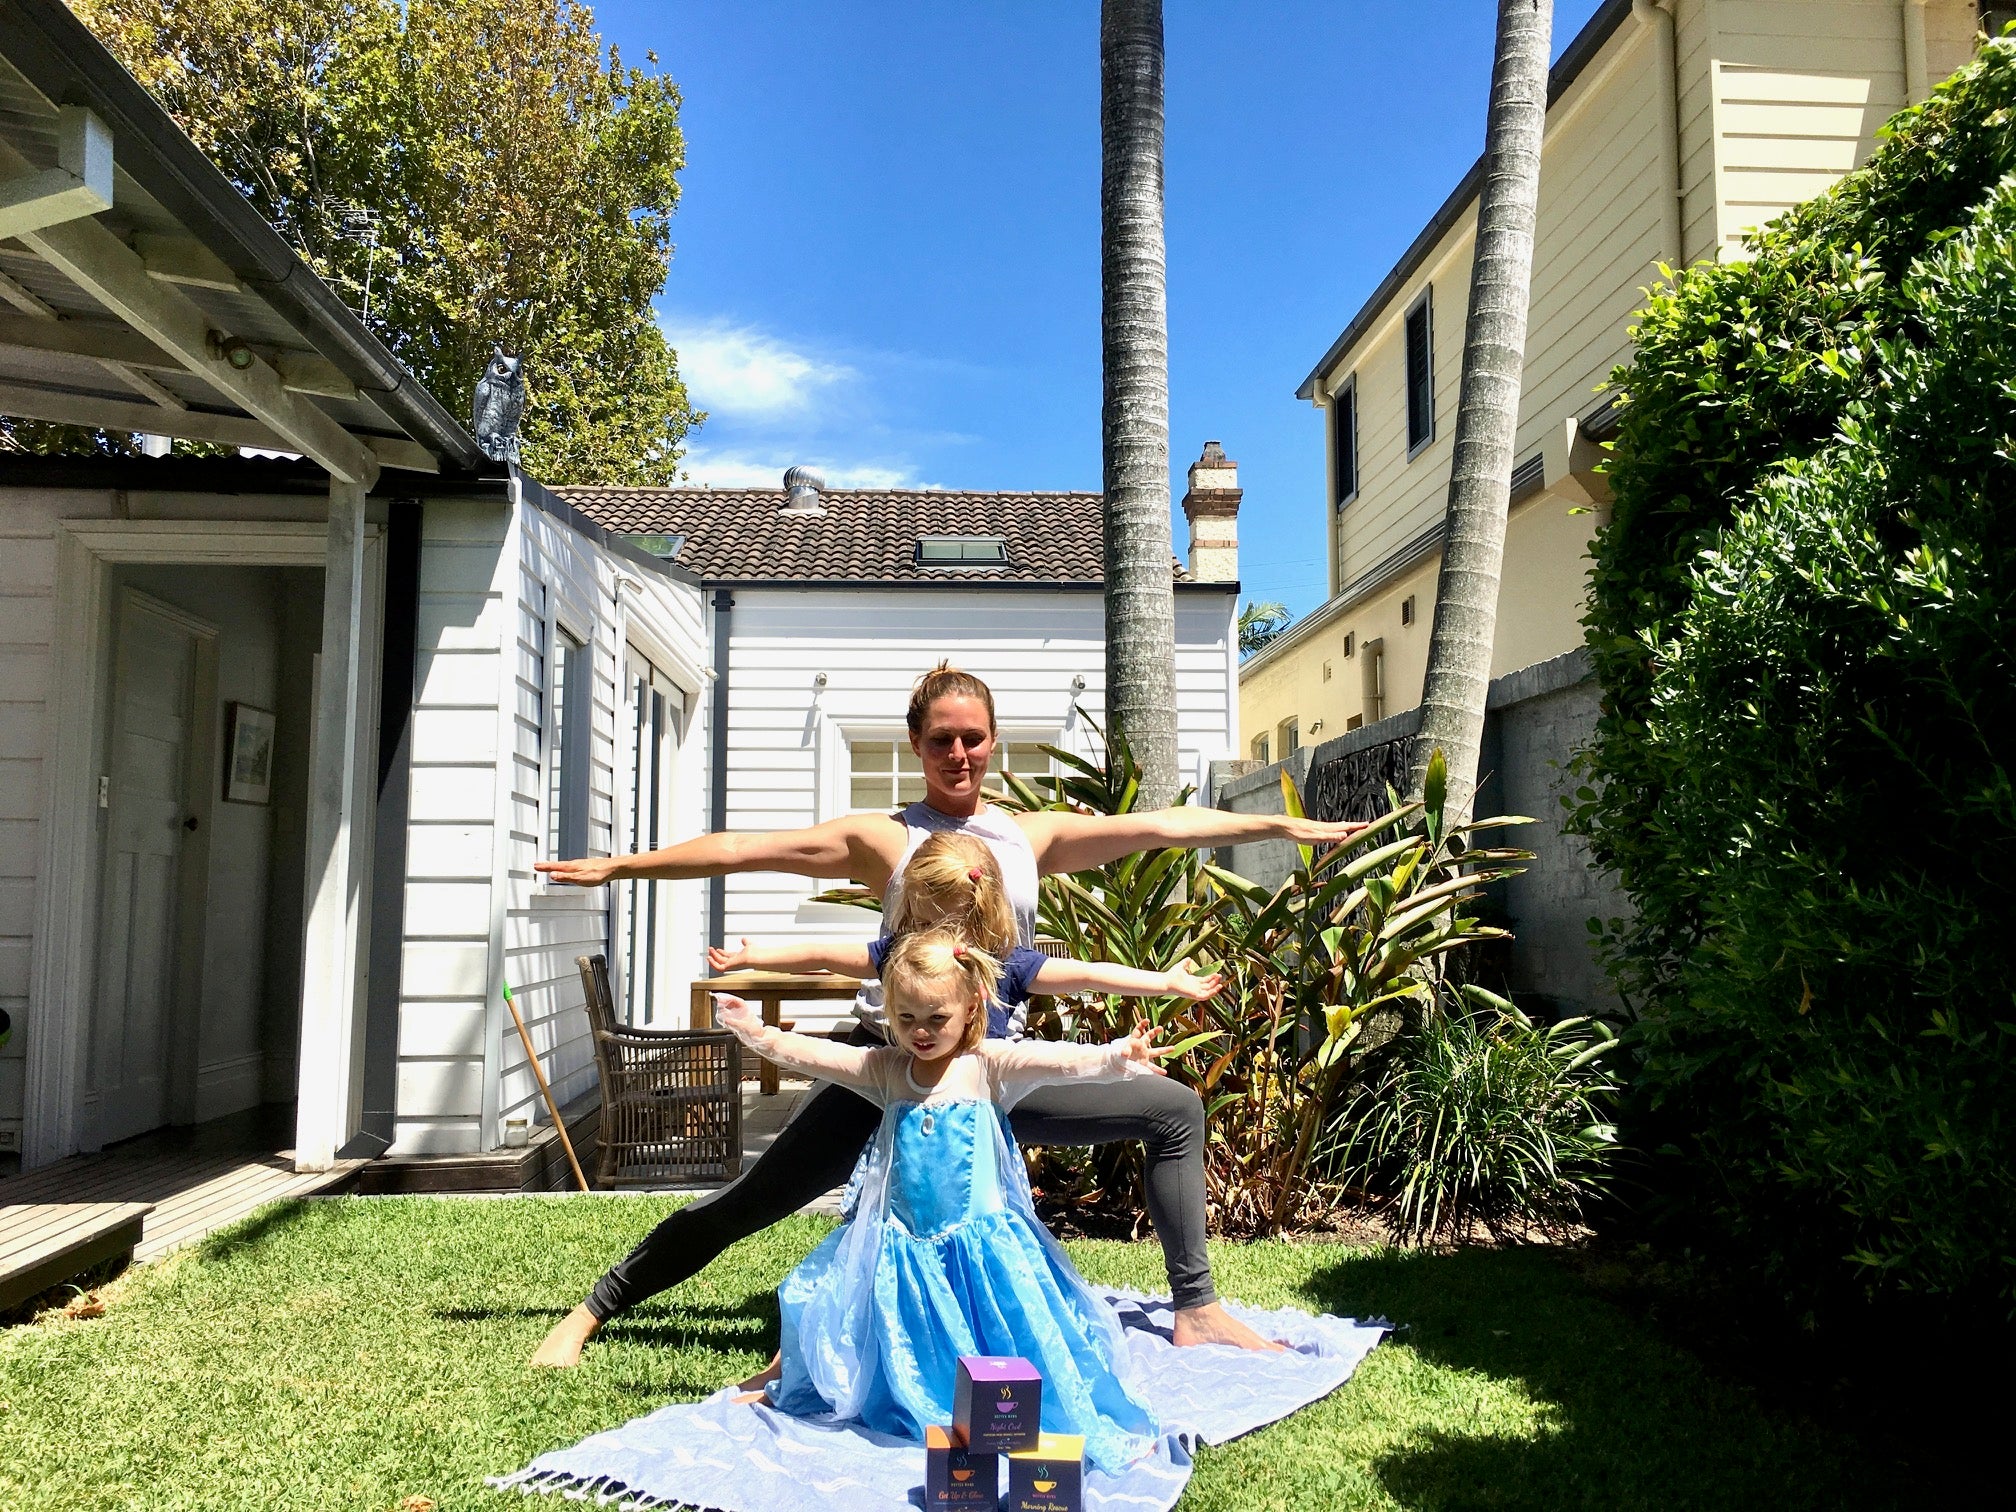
1212, 508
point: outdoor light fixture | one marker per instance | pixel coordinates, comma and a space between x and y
1078, 683
819, 681
231, 350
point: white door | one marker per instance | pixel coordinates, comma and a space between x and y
153, 682
657, 716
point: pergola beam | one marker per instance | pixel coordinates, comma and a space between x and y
80, 184
90, 256
102, 341
100, 413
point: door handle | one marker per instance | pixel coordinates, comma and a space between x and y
189, 824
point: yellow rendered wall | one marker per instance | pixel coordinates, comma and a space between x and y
1774, 100
1539, 608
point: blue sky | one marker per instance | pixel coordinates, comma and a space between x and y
887, 256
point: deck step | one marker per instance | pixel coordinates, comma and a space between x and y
43, 1244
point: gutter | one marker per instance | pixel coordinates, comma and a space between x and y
60, 57
1578, 55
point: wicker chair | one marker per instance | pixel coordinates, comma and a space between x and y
671, 1098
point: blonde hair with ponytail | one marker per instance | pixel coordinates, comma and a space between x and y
938, 955
953, 882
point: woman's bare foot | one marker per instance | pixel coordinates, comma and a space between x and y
762, 1378
1211, 1324
561, 1348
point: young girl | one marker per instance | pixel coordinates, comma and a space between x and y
945, 1255
953, 881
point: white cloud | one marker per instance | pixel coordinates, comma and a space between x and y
737, 370
745, 469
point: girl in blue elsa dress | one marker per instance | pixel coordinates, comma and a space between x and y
944, 1255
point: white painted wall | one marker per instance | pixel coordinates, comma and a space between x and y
496, 588
787, 739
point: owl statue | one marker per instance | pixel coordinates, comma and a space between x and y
500, 400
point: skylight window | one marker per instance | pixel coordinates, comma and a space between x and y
962, 551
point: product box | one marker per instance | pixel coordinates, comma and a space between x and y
1049, 1477
997, 1403
955, 1476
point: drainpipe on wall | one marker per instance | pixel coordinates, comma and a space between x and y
1917, 80
717, 773
1672, 222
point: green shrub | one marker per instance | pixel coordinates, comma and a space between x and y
1486, 1118
1799, 615
1362, 928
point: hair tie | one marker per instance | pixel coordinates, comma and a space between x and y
973, 875
958, 952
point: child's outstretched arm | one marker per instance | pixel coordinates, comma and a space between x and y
862, 1067
849, 958
1018, 1067
1062, 977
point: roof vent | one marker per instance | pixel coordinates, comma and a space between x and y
801, 488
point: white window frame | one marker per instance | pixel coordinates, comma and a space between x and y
836, 790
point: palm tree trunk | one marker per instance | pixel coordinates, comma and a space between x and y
1134, 331
1487, 407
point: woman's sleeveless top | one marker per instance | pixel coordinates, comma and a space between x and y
1001, 835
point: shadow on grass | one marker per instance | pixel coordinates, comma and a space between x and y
1626, 1420
250, 1234
750, 1323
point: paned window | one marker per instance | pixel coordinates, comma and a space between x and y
1420, 374
1344, 439
884, 774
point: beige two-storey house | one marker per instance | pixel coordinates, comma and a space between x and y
1672, 130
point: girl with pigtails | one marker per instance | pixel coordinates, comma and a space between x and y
944, 1255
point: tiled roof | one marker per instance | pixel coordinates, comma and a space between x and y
866, 535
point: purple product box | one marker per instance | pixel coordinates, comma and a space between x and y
955, 1476
997, 1403
1049, 1477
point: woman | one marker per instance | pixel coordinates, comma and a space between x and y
951, 723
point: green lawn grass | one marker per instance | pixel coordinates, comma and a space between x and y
351, 1353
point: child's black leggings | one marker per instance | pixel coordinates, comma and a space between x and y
816, 1150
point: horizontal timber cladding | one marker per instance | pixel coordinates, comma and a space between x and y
27, 589
501, 585
451, 848
788, 736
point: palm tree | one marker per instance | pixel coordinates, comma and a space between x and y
1487, 407
1260, 623
1134, 351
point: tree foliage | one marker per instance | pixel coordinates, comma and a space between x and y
1799, 615
1261, 622
523, 184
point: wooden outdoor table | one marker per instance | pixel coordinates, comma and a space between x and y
769, 989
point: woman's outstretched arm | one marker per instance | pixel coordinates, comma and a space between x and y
1074, 842
863, 847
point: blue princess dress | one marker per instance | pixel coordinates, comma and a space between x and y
945, 1256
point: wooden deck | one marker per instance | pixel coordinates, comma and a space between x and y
195, 1181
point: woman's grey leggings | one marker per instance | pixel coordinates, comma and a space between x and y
816, 1151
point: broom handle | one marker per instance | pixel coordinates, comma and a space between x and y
532, 1059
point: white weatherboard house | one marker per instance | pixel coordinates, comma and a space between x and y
827, 605
280, 740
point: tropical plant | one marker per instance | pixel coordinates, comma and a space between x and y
1134, 361
477, 171
1261, 623
1799, 613
1359, 932
1486, 1118
1487, 406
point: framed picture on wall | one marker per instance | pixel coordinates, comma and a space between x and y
248, 753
